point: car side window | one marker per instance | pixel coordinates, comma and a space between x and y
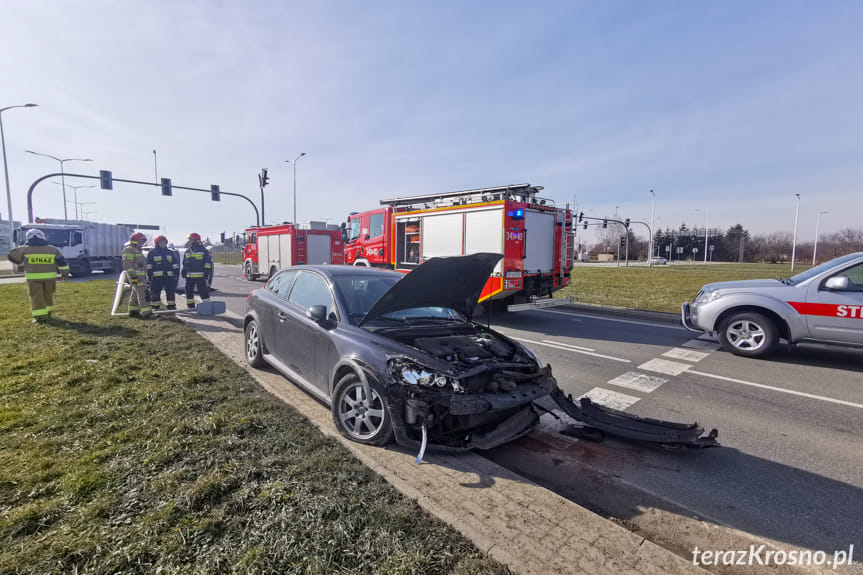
311, 289
855, 277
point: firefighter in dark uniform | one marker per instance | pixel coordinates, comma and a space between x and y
163, 268
41, 263
197, 269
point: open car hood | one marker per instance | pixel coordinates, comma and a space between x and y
454, 282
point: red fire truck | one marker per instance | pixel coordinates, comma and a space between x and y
271, 248
535, 237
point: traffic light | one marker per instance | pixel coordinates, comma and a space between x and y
604, 224
622, 241
215, 195
105, 180
223, 237
626, 223
166, 187
263, 178
580, 216
585, 225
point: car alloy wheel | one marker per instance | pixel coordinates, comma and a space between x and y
359, 417
254, 354
748, 334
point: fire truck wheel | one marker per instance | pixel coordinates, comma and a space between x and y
248, 272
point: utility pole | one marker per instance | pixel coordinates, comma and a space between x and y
794, 244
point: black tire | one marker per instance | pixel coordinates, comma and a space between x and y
356, 418
253, 347
248, 272
748, 334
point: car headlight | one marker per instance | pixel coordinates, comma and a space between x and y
707, 296
413, 373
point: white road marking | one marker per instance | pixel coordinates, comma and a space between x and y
609, 398
665, 366
685, 354
638, 381
558, 346
701, 344
633, 321
779, 389
569, 345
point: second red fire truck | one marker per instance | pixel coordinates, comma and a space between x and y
271, 248
535, 237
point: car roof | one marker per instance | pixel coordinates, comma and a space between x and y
340, 271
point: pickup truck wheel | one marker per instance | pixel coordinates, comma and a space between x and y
748, 334
360, 418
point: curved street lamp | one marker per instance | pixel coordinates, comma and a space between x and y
62, 174
817, 224
6, 168
295, 184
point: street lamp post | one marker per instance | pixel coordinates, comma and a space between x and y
62, 174
817, 223
650, 243
6, 167
706, 229
76, 188
295, 184
794, 243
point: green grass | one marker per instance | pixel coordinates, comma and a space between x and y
660, 288
135, 447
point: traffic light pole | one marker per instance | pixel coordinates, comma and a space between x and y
152, 184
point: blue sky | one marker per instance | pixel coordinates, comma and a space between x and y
731, 107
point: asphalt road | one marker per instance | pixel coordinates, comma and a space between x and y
790, 467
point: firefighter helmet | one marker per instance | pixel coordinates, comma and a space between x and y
138, 238
194, 238
34, 233
160, 239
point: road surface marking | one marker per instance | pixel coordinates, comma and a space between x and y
558, 346
601, 318
638, 381
685, 354
665, 366
701, 344
569, 345
779, 389
609, 398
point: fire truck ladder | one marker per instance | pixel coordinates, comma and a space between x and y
522, 192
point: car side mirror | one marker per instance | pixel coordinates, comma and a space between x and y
837, 283
317, 313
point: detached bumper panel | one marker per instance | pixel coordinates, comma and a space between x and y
507, 430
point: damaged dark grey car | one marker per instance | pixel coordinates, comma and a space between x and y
398, 356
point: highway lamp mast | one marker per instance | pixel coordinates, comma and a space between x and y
817, 223
76, 188
650, 243
62, 174
295, 184
794, 242
706, 229
6, 167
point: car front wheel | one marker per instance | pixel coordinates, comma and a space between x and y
748, 334
358, 417
254, 347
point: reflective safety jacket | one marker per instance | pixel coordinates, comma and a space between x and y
197, 262
162, 263
41, 260
134, 262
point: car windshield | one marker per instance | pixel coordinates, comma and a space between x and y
361, 292
811, 273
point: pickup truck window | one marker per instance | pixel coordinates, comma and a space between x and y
855, 277
810, 273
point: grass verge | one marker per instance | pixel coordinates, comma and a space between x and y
660, 288
135, 447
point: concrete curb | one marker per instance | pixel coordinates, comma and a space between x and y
640, 314
513, 520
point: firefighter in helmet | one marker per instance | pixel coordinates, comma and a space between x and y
135, 265
197, 269
41, 263
163, 268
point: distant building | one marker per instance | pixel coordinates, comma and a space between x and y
5, 240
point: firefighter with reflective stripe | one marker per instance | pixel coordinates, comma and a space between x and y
135, 265
41, 263
162, 272
197, 269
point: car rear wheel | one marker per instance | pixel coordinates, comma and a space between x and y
358, 417
254, 347
748, 334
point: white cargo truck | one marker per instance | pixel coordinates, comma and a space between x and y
87, 246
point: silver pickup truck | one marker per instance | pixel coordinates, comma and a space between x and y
821, 305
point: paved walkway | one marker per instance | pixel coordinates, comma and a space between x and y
520, 524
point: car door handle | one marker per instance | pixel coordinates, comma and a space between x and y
282, 316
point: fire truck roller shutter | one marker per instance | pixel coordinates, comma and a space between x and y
539, 237
318, 249
484, 233
442, 235
285, 257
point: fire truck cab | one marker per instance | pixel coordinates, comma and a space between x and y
271, 248
534, 236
